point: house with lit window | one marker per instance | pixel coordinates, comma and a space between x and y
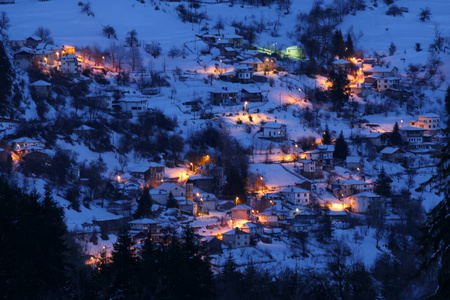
311, 169
241, 212
70, 65
162, 193
223, 97
345, 188
361, 202
296, 196
274, 131
430, 122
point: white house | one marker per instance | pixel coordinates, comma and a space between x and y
254, 229
323, 153
412, 134
134, 106
296, 196
360, 203
236, 238
162, 192
69, 65
386, 83
274, 130
430, 122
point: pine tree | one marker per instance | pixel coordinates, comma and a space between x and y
123, 267
339, 91
350, 50
436, 236
339, 47
340, 148
383, 184
144, 208
447, 106
396, 138
326, 137
171, 202
6, 76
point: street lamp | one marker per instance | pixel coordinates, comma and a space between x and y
245, 105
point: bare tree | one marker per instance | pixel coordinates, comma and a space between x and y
154, 49
4, 23
117, 54
44, 34
135, 58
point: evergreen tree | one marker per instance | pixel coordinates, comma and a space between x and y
338, 44
436, 236
339, 91
396, 138
326, 229
326, 137
6, 76
171, 202
122, 269
340, 148
383, 184
350, 50
144, 208
447, 106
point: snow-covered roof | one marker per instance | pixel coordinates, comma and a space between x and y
154, 164
241, 206
273, 125
199, 177
143, 221
251, 90
229, 49
294, 190
84, 127
389, 150
244, 67
25, 140
351, 182
374, 135
166, 186
365, 194
235, 231
411, 128
40, 83
353, 159
69, 56
25, 49
253, 60
430, 115
341, 62
138, 169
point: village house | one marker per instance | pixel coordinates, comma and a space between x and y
268, 218
241, 212
209, 178
323, 154
393, 155
133, 106
254, 229
360, 203
382, 71
161, 194
263, 64
69, 65
312, 169
378, 139
251, 95
32, 41
228, 52
23, 58
296, 196
244, 73
345, 188
41, 88
188, 207
120, 207
294, 52
152, 173
430, 122
236, 238
211, 245
223, 97
342, 64
411, 134
386, 83
25, 145
148, 226
354, 163
274, 131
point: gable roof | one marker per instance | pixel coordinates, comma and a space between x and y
235, 231
40, 83
390, 150
241, 206
273, 125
